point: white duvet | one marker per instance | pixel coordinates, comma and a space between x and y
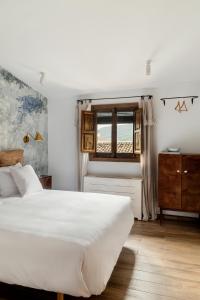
62, 241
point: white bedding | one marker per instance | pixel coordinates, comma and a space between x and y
62, 241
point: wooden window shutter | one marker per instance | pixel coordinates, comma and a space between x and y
138, 144
88, 135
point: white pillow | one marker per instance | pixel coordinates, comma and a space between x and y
7, 169
26, 180
8, 187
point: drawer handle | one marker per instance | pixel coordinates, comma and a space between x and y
185, 171
177, 171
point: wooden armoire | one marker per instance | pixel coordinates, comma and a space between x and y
179, 182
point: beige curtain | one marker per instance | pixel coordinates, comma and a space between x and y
82, 157
148, 161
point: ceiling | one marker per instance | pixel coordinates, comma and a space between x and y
93, 45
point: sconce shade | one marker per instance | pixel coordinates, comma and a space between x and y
26, 139
38, 137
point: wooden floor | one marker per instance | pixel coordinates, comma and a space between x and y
157, 262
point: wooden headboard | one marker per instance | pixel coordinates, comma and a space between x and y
11, 157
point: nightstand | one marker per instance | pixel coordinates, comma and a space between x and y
46, 181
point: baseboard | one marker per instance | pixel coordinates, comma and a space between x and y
178, 213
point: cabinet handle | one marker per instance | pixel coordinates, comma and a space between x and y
177, 171
186, 171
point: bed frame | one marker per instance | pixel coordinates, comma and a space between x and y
10, 158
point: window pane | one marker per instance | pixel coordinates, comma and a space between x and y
104, 132
125, 131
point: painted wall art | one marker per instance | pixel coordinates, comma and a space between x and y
22, 111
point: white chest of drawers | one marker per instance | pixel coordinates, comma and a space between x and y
131, 187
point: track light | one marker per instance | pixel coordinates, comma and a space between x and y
148, 67
42, 74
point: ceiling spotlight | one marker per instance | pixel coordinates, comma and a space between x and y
148, 67
42, 74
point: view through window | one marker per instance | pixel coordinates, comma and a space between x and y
104, 132
115, 131
125, 132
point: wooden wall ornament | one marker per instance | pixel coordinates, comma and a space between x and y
181, 107
178, 106
184, 107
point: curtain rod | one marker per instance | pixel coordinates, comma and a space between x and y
115, 98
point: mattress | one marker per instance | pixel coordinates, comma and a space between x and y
61, 241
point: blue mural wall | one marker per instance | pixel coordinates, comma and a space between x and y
22, 111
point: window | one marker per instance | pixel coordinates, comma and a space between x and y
113, 134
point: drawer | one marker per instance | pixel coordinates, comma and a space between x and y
109, 188
110, 192
112, 181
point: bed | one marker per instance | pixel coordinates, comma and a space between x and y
61, 241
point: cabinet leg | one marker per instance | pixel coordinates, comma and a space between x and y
60, 296
161, 216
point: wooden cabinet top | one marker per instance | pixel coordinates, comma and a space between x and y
179, 153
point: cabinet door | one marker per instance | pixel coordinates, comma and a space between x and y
191, 183
169, 181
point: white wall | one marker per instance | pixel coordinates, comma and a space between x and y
177, 129
171, 129
62, 138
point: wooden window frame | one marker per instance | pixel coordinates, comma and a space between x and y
114, 157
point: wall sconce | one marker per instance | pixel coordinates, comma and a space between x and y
38, 137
